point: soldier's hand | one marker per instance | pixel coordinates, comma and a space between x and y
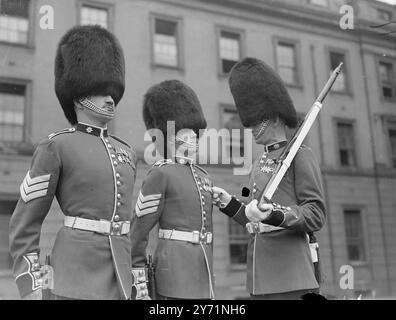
256, 214
220, 197
35, 295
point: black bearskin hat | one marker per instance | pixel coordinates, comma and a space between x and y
173, 100
89, 61
259, 93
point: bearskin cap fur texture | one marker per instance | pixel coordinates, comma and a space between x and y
89, 61
259, 93
173, 100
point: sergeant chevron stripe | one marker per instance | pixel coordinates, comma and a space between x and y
147, 204
33, 188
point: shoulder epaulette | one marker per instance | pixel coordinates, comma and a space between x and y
120, 140
162, 162
202, 169
69, 130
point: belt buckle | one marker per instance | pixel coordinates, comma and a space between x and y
196, 235
209, 237
116, 228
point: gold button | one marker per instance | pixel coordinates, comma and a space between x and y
116, 227
117, 218
113, 156
118, 176
109, 146
107, 140
118, 204
118, 196
118, 183
115, 163
203, 203
204, 212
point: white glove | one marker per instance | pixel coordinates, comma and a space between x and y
221, 198
254, 214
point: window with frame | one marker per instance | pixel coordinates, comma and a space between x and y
286, 57
14, 21
340, 85
12, 112
166, 43
231, 121
354, 235
229, 50
392, 142
238, 240
7, 207
91, 15
346, 144
387, 79
320, 3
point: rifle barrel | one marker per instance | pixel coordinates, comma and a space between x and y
329, 83
295, 142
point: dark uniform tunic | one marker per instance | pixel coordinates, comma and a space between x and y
178, 196
280, 261
92, 176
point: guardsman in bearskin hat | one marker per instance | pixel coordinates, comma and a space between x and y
279, 258
91, 174
176, 193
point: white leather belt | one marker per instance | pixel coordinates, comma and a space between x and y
195, 237
261, 228
99, 226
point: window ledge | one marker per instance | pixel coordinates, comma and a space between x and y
19, 149
163, 66
17, 45
223, 75
388, 100
238, 268
342, 93
295, 86
359, 264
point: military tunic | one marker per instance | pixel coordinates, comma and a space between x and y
280, 261
178, 196
92, 175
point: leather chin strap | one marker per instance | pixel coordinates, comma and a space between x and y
91, 106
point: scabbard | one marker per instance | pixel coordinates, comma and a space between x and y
47, 275
152, 290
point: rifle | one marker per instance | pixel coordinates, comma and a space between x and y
152, 290
290, 151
